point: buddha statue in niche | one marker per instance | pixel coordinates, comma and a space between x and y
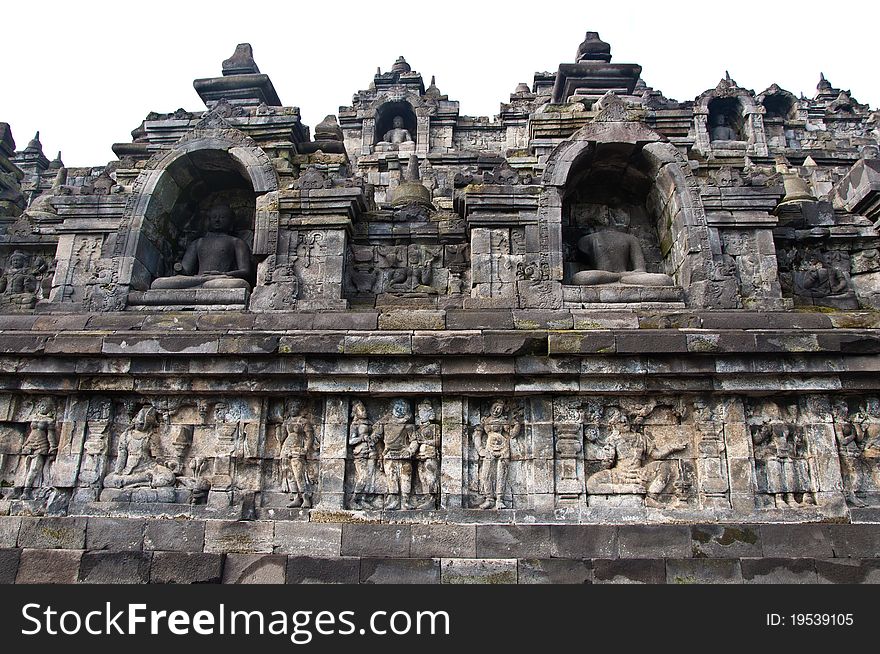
216, 260
722, 131
398, 133
615, 257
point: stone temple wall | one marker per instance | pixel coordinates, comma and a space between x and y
605, 336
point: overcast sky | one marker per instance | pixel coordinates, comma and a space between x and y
86, 73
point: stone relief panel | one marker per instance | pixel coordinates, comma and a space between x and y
24, 280
641, 452
856, 423
292, 453
498, 453
417, 270
393, 460
784, 455
815, 276
29, 433
181, 450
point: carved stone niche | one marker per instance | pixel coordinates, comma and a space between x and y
856, 421
291, 457
184, 451
29, 434
393, 460
785, 454
612, 249
816, 276
728, 122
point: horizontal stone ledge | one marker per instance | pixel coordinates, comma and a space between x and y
453, 319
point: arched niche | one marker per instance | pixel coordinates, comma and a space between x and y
780, 108
163, 213
742, 114
624, 170
380, 113
729, 112
385, 115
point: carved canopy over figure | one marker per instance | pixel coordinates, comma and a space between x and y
398, 133
615, 258
216, 260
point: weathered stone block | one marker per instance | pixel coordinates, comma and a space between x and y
555, 571
115, 534
726, 541
9, 526
629, 571
583, 541
476, 319
9, 565
240, 536
703, 571
370, 540
311, 570
186, 568
581, 343
796, 541
254, 569
463, 342
848, 571
48, 566
513, 541
404, 320
322, 540
52, 533
654, 541
478, 571
175, 535
378, 344
779, 571
400, 571
855, 541
445, 541
115, 568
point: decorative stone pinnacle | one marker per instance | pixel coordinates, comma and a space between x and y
593, 48
241, 62
400, 66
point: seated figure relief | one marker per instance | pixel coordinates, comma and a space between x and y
216, 260
615, 257
398, 133
721, 131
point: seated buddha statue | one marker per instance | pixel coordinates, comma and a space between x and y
615, 258
216, 260
398, 133
722, 131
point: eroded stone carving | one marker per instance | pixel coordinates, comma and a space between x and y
492, 438
21, 282
615, 258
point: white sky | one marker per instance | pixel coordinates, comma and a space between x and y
86, 74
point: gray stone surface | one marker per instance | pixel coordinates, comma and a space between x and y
186, 568
9, 565
555, 571
583, 541
48, 566
115, 534
254, 569
501, 541
308, 539
642, 541
49, 533
444, 541
779, 571
400, 571
726, 541
9, 526
239, 536
703, 571
175, 535
376, 540
478, 571
311, 570
629, 571
115, 568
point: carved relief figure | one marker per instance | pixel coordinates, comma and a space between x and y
20, 282
216, 260
396, 431
40, 445
137, 464
851, 439
615, 258
365, 454
297, 436
635, 464
780, 463
492, 438
425, 446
